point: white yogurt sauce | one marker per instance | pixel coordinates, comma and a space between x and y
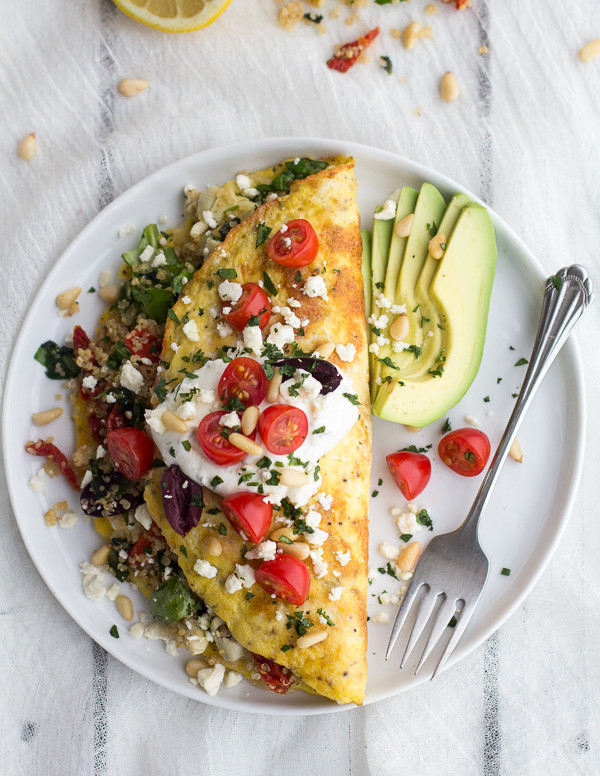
333, 411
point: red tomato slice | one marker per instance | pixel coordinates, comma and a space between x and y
243, 379
346, 55
131, 450
282, 428
249, 515
275, 676
288, 578
465, 451
140, 342
253, 302
297, 246
411, 472
214, 445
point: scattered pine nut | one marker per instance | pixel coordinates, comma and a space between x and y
310, 639
109, 294
399, 329
292, 478
245, 444
437, 246
46, 416
483, 49
66, 298
412, 429
129, 87
298, 550
27, 147
404, 226
411, 34
449, 88
431, 9
100, 556
250, 419
515, 451
324, 350
212, 546
194, 665
408, 557
590, 51
274, 386
125, 607
173, 422
287, 532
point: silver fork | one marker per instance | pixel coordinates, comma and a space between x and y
454, 567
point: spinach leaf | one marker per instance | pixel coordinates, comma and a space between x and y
59, 361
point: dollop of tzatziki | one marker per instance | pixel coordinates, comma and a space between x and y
330, 417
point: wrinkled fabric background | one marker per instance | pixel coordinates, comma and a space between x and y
525, 136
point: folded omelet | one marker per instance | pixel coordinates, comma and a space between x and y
335, 667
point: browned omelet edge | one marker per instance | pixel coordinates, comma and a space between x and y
336, 667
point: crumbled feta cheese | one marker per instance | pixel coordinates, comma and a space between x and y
125, 230
325, 500
35, 482
378, 321
224, 330
110, 398
343, 558
388, 210
313, 518
68, 520
283, 229
253, 339
346, 352
137, 629
317, 537
100, 452
242, 181
315, 286
230, 292
175, 346
209, 219
250, 192
233, 584
113, 591
232, 679
214, 311
290, 318
153, 419
407, 523
381, 340
319, 564
264, 551
92, 581
231, 420
147, 253
398, 346
190, 329
130, 378
160, 260
335, 593
374, 348
89, 381
210, 679
186, 300
246, 575
87, 478
381, 617
280, 336
143, 516
389, 551
226, 311
186, 411
293, 302
398, 309
204, 569
472, 421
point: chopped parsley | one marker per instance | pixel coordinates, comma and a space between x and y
299, 622
300, 526
216, 480
286, 647
375, 494
505, 572
187, 445
486, 398
249, 595
197, 501
388, 362
269, 285
415, 449
388, 570
274, 478
320, 430
423, 518
315, 18
470, 456
114, 632
447, 426
352, 398
227, 273
262, 233
325, 616
171, 314
223, 529
415, 349
521, 362
183, 550
406, 537
386, 64
264, 463
452, 622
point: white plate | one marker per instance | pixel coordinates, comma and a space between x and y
527, 513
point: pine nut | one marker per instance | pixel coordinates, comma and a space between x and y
437, 246
212, 546
194, 665
449, 88
250, 419
410, 35
27, 147
324, 350
65, 299
590, 51
399, 329
292, 478
515, 451
173, 422
129, 87
412, 429
245, 444
287, 532
310, 639
109, 294
404, 226
46, 416
274, 386
125, 607
408, 557
431, 9
100, 556
298, 550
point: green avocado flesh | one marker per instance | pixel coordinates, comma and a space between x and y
446, 302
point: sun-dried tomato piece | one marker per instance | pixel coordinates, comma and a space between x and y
276, 677
346, 55
51, 451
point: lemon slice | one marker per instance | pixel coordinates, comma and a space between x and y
173, 15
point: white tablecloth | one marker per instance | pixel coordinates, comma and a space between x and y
524, 135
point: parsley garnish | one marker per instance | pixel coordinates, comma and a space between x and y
388, 570
415, 449
227, 273
452, 622
274, 478
249, 595
447, 426
522, 362
406, 537
183, 550
262, 233
315, 18
114, 632
172, 452
486, 398
173, 317
375, 494
386, 64
223, 529
505, 572
388, 362
197, 501
423, 518
325, 616
380, 285
269, 285
264, 463
415, 349
319, 430
216, 480
286, 647
352, 398
186, 444
299, 622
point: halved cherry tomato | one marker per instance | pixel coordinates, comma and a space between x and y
115, 419
297, 246
276, 677
249, 515
411, 472
288, 578
282, 428
140, 342
214, 445
244, 379
131, 450
253, 302
465, 451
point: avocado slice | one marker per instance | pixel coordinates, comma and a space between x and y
428, 213
367, 247
460, 290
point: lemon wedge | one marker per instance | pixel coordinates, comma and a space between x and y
173, 15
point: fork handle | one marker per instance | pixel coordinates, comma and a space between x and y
567, 296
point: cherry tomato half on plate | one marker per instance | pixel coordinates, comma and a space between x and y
243, 379
249, 515
252, 303
286, 577
465, 451
140, 342
282, 428
411, 472
131, 450
297, 246
214, 445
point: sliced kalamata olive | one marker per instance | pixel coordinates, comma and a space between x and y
110, 494
324, 371
182, 500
